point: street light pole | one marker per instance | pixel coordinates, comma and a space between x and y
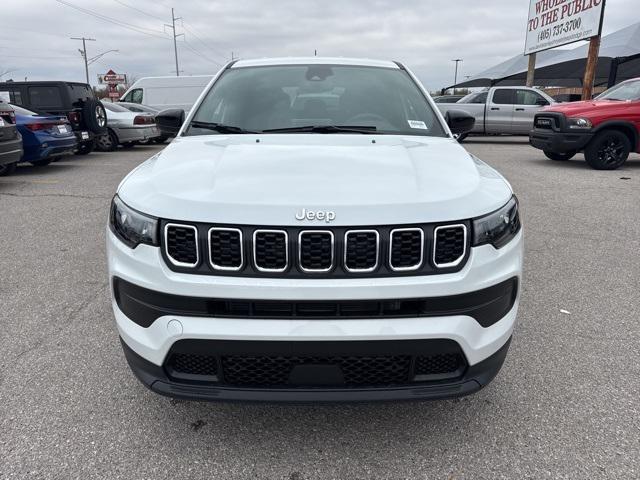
84, 53
455, 78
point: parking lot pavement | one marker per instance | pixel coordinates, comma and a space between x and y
565, 404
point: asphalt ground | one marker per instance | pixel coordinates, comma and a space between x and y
565, 405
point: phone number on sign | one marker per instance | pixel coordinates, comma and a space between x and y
564, 27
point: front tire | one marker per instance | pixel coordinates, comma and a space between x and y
559, 157
608, 150
8, 169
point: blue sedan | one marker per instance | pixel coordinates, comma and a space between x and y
44, 137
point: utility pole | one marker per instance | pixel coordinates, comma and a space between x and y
455, 78
531, 69
83, 52
175, 44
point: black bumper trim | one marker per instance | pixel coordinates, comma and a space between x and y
144, 306
559, 142
476, 377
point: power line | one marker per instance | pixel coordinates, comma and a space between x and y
190, 30
156, 34
200, 54
139, 11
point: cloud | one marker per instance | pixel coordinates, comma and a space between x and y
423, 34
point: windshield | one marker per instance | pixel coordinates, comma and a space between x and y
258, 99
24, 111
627, 91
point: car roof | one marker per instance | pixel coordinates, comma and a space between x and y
45, 82
365, 62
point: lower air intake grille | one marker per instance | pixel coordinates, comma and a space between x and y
225, 245
438, 364
182, 363
316, 251
407, 247
450, 245
275, 371
270, 250
182, 245
361, 250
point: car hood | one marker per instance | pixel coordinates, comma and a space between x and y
267, 179
573, 109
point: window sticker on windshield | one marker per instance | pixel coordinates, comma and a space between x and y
417, 124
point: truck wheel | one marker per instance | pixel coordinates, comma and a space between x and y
85, 148
461, 137
559, 157
608, 150
8, 169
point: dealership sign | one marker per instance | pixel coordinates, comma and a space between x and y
112, 80
553, 23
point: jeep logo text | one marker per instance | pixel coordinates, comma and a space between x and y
305, 214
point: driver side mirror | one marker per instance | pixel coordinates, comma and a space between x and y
459, 122
542, 102
169, 121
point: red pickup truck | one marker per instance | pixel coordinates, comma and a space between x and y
606, 129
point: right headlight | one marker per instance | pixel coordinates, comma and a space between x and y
499, 227
131, 226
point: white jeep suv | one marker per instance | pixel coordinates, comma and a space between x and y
315, 233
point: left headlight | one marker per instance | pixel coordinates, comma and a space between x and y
131, 226
579, 123
497, 228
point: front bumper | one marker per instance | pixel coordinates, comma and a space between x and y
559, 142
473, 379
150, 346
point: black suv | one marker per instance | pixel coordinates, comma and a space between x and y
76, 101
10, 140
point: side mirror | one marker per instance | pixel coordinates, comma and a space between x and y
170, 121
542, 103
460, 122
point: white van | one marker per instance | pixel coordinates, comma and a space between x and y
167, 92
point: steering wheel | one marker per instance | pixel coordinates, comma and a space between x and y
367, 117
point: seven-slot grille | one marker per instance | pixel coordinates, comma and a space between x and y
296, 252
315, 250
181, 243
225, 248
406, 249
271, 250
450, 245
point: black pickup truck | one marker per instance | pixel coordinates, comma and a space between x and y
74, 100
10, 140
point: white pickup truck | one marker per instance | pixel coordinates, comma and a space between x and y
501, 110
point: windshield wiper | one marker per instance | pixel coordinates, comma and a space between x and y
325, 129
219, 127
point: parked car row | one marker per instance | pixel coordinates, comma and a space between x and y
42, 122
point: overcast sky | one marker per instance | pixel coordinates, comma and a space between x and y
423, 34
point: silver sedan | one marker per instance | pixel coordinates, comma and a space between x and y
126, 128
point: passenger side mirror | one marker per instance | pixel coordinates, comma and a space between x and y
459, 122
169, 121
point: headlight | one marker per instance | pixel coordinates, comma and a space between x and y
132, 227
578, 123
499, 227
